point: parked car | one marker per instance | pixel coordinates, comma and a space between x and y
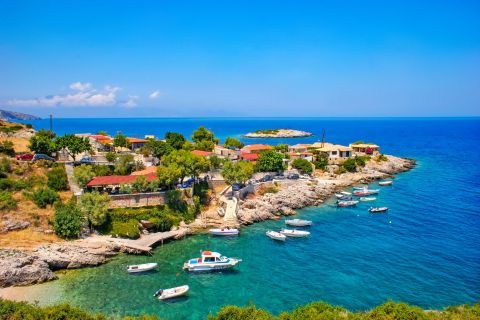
237, 186
293, 176
305, 176
266, 178
41, 156
24, 156
87, 160
279, 176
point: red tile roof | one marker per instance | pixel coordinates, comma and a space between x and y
135, 140
117, 180
257, 147
202, 153
249, 156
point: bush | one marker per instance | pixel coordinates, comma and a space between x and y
266, 190
6, 201
127, 229
57, 179
361, 160
5, 166
68, 220
161, 224
6, 147
270, 161
350, 165
83, 174
111, 156
302, 165
44, 197
380, 158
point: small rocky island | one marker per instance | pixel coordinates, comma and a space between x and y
278, 133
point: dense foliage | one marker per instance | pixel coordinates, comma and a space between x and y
73, 145
94, 207
57, 179
238, 172
6, 147
320, 159
68, 220
270, 161
6, 201
44, 196
175, 140
302, 165
43, 142
120, 141
124, 164
204, 139
233, 143
282, 147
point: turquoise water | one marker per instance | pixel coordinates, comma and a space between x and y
425, 251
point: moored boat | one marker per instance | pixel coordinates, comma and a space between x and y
164, 294
294, 233
364, 199
275, 235
346, 193
386, 183
210, 261
347, 203
366, 192
298, 222
378, 210
224, 231
136, 268
339, 195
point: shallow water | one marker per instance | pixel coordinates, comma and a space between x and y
425, 251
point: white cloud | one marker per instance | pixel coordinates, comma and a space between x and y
155, 94
81, 86
83, 95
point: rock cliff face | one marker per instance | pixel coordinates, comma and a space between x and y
20, 268
14, 116
304, 193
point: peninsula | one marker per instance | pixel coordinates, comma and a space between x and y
278, 133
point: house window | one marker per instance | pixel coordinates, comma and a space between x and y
334, 153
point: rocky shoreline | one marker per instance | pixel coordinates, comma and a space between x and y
305, 193
20, 268
278, 133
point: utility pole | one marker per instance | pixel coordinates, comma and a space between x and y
51, 123
323, 138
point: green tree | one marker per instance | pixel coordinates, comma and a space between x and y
175, 140
57, 179
270, 161
94, 207
168, 176
45, 196
204, 139
302, 165
43, 142
239, 172
321, 159
188, 163
281, 148
158, 148
120, 141
102, 133
83, 174
215, 161
73, 145
140, 184
233, 143
124, 164
68, 220
110, 156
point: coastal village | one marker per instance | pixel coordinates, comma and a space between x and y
118, 193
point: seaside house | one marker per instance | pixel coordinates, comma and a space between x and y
370, 149
251, 157
299, 148
136, 143
221, 151
256, 148
300, 155
101, 143
112, 183
336, 153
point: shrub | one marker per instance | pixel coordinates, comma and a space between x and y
6, 201
361, 160
266, 190
111, 156
6, 147
124, 164
127, 229
68, 220
5, 165
161, 224
94, 206
44, 197
321, 160
380, 158
83, 174
57, 179
269, 161
350, 165
302, 165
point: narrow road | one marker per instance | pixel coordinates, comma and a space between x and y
71, 180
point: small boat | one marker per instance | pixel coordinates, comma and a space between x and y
141, 267
360, 188
164, 294
339, 195
294, 233
210, 261
345, 198
275, 235
366, 192
298, 222
386, 183
224, 231
378, 210
348, 203
346, 193
364, 199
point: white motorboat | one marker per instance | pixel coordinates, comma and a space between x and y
345, 193
210, 261
298, 222
224, 231
348, 203
141, 267
275, 235
164, 294
378, 210
360, 188
339, 195
364, 199
366, 192
386, 183
294, 233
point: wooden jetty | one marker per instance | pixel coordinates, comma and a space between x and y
145, 242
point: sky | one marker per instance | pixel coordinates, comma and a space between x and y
240, 58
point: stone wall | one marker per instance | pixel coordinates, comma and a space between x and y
137, 200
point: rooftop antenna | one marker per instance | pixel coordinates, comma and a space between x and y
51, 123
323, 138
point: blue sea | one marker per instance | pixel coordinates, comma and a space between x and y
425, 251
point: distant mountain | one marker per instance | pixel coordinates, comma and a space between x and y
14, 116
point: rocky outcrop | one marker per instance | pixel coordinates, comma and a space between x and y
12, 225
303, 193
19, 268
